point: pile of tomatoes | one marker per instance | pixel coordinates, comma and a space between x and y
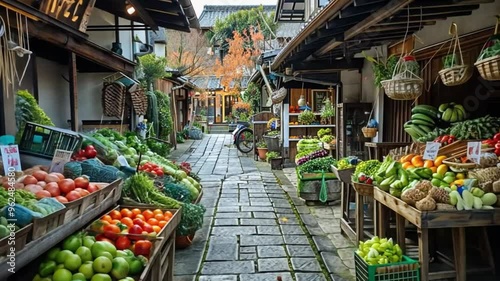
131, 228
152, 168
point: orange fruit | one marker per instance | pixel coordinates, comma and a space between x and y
439, 160
433, 169
136, 212
417, 161
158, 211
160, 217
115, 221
153, 221
141, 217
168, 214
406, 165
115, 214
428, 163
127, 221
407, 158
126, 213
107, 218
148, 214
156, 228
104, 222
162, 223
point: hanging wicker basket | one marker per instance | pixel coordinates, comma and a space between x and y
139, 101
279, 95
403, 88
113, 99
369, 132
489, 68
405, 83
456, 75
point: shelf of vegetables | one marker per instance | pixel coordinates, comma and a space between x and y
109, 167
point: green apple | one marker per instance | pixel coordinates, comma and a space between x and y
84, 253
102, 265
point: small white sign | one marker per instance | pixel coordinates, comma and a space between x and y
10, 158
61, 157
474, 151
431, 150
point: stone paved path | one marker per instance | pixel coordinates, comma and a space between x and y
252, 229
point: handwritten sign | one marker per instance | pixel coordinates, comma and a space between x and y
431, 150
474, 151
61, 157
10, 158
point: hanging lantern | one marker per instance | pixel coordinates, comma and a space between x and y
302, 101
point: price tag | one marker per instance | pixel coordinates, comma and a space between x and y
474, 151
431, 150
10, 158
61, 157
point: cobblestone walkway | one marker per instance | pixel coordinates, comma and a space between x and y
252, 229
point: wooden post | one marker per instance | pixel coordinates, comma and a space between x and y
73, 91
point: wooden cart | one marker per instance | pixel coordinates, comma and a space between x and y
456, 220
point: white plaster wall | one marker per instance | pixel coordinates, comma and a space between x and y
481, 18
53, 91
351, 87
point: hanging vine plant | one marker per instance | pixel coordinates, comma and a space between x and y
382, 69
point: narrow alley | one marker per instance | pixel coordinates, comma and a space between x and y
255, 227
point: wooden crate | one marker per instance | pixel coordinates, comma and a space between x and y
42, 226
20, 238
78, 207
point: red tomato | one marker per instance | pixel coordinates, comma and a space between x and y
81, 182
62, 199
147, 227
66, 185
92, 188
73, 195
111, 231
43, 194
53, 188
101, 237
139, 222
123, 243
40, 175
143, 247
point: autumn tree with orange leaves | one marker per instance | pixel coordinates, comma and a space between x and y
187, 52
242, 52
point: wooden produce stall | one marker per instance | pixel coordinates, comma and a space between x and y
423, 221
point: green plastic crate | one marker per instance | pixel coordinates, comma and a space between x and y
406, 270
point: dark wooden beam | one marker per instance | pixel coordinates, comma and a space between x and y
378, 29
143, 14
329, 65
438, 11
388, 10
446, 3
363, 10
85, 49
400, 22
359, 3
343, 22
438, 16
73, 91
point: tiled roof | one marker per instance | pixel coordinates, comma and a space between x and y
211, 13
213, 83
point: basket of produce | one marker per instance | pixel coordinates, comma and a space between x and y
362, 178
344, 175
455, 72
369, 132
405, 83
21, 236
363, 188
306, 117
381, 259
488, 62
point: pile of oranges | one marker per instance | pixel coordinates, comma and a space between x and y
416, 161
157, 218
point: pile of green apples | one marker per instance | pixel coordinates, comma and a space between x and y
379, 251
82, 258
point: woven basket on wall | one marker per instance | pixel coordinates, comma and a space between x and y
139, 101
279, 95
113, 99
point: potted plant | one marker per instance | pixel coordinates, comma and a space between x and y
191, 221
262, 149
272, 139
273, 158
382, 69
327, 112
306, 117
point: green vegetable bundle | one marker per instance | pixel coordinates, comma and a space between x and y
480, 128
318, 165
369, 168
140, 188
324, 132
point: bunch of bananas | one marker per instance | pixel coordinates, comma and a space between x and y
423, 121
452, 112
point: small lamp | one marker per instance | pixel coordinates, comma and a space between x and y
130, 9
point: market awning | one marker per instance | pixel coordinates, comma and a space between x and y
346, 27
174, 14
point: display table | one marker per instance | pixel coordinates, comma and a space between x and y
456, 220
